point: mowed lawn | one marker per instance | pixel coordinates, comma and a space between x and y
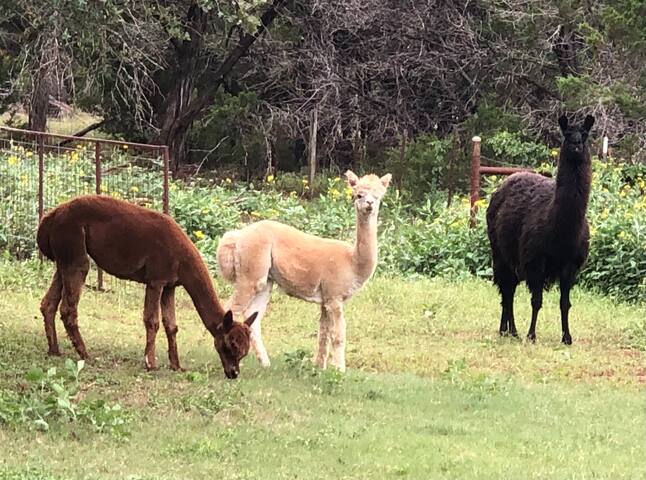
432, 391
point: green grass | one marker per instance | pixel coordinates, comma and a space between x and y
431, 392
63, 125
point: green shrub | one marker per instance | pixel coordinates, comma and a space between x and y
512, 148
51, 397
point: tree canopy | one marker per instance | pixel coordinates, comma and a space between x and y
250, 73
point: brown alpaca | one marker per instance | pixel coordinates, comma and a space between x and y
314, 269
133, 243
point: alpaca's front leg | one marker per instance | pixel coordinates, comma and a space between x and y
151, 321
170, 326
247, 301
323, 339
337, 335
259, 304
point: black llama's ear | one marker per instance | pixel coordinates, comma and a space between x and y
227, 321
587, 123
563, 122
249, 321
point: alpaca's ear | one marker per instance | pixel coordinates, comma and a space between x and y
249, 321
351, 178
587, 123
227, 321
563, 122
385, 180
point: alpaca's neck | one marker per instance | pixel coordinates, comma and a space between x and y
364, 255
197, 282
572, 192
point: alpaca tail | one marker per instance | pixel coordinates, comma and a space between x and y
43, 234
226, 255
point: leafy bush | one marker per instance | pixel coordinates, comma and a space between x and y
51, 396
424, 166
511, 148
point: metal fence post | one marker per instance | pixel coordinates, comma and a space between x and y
97, 179
41, 183
475, 180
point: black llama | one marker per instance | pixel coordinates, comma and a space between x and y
538, 230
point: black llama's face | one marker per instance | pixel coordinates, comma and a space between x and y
575, 136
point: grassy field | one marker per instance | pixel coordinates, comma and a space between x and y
432, 392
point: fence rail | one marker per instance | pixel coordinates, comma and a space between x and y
39, 170
477, 171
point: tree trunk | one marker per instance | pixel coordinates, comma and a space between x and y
38, 103
312, 153
182, 108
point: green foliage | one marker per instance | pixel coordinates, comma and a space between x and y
328, 381
512, 148
423, 168
50, 397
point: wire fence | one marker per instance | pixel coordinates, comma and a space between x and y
38, 171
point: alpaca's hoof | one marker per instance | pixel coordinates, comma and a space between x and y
264, 362
177, 368
567, 339
54, 352
531, 337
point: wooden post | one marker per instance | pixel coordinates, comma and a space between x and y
475, 179
402, 156
165, 194
97, 180
605, 149
312, 162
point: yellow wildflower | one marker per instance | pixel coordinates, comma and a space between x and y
104, 188
554, 152
270, 178
255, 214
12, 160
227, 180
622, 235
305, 182
199, 234
29, 154
205, 211
134, 189
482, 203
125, 147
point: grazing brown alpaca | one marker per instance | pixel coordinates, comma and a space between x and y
133, 243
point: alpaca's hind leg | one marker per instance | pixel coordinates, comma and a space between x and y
566, 282
151, 321
323, 339
259, 304
507, 283
536, 288
337, 335
73, 279
170, 326
49, 307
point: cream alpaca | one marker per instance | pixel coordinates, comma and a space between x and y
319, 270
